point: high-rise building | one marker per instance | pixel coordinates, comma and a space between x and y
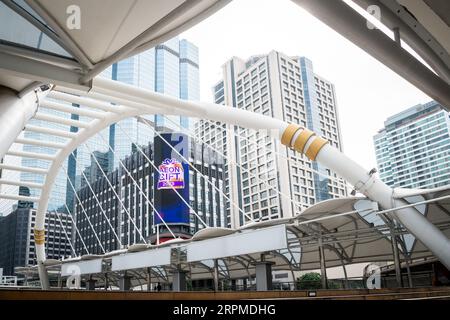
285, 88
413, 148
189, 77
172, 69
17, 248
207, 201
58, 193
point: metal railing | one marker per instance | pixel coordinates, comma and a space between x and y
8, 281
419, 279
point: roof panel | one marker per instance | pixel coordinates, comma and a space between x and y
16, 30
108, 25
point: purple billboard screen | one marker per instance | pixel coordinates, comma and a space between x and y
172, 178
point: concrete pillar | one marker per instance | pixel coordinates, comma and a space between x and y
179, 280
43, 276
264, 276
14, 114
90, 284
125, 282
149, 279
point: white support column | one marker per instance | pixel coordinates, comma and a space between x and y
125, 282
179, 280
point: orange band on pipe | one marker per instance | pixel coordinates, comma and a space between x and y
315, 147
288, 133
301, 140
39, 236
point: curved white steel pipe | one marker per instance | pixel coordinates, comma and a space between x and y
83, 135
314, 148
137, 101
14, 115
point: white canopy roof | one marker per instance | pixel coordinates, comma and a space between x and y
351, 232
42, 41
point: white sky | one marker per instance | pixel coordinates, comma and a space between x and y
367, 91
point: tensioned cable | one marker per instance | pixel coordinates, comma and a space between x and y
96, 199
113, 189
140, 189
84, 211
247, 170
299, 205
345, 213
64, 229
296, 160
136, 184
198, 171
168, 182
76, 228
74, 224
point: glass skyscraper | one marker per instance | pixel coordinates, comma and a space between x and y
286, 88
413, 148
171, 68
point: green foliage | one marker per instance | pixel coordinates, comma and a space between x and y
308, 281
334, 285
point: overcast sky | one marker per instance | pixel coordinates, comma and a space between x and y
367, 91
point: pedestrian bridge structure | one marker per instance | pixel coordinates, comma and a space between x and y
382, 224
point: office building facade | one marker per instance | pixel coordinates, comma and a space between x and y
204, 198
17, 248
413, 148
285, 88
171, 68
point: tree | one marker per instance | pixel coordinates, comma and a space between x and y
311, 280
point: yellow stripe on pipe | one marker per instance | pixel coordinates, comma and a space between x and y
288, 133
39, 236
302, 139
315, 147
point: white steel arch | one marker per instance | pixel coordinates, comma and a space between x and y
112, 101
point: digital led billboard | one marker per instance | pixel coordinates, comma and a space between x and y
171, 174
172, 178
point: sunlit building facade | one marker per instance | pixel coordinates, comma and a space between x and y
413, 148
262, 185
171, 69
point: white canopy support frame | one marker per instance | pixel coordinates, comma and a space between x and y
131, 102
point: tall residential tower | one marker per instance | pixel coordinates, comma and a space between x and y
413, 148
171, 68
